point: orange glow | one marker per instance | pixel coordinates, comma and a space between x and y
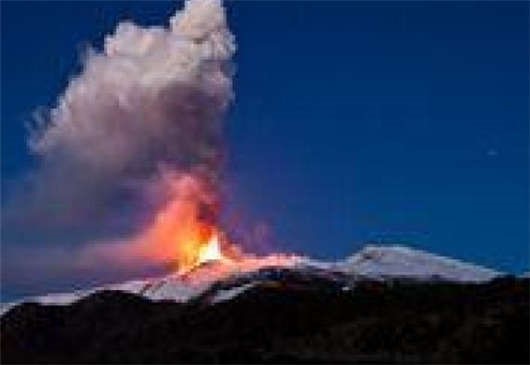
211, 251
183, 238
183, 235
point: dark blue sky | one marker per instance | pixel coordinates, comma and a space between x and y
352, 122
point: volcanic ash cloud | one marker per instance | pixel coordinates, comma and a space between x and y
146, 109
154, 97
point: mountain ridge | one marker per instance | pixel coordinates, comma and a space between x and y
288, 316
376, 262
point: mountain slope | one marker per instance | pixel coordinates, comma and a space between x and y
400, 261
372, 262
289, 316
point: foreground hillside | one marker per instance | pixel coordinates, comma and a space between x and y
285, 319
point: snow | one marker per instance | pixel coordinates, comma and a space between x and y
375, 262
4, 307
405, 262
229, 294
48, 299
175, 289
61, 298
134, 286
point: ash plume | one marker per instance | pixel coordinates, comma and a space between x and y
149, 105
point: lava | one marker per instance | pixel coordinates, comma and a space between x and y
211, 251
183, 238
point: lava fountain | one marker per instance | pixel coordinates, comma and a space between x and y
185, 234
210, 251
171, 111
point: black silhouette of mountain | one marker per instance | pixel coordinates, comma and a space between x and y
283, 315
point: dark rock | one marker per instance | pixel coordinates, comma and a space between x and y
284, 319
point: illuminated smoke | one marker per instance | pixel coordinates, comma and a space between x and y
153, 97
146, 109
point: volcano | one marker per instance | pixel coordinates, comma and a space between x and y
372, 262
382, 304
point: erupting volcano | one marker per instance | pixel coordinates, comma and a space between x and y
145, 119
210, 251
184, 235
127, 217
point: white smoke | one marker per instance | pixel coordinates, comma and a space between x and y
146, 84
154, 96
152, 100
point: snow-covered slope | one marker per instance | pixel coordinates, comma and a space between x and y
405, 262
175, 287
373, 262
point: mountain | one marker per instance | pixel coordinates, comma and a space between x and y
400, 261
372, 262
387, 304
287, 316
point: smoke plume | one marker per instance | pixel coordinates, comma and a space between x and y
140, 126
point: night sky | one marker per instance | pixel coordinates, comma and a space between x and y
352, 122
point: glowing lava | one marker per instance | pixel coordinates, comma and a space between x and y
182, 238
210, 251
